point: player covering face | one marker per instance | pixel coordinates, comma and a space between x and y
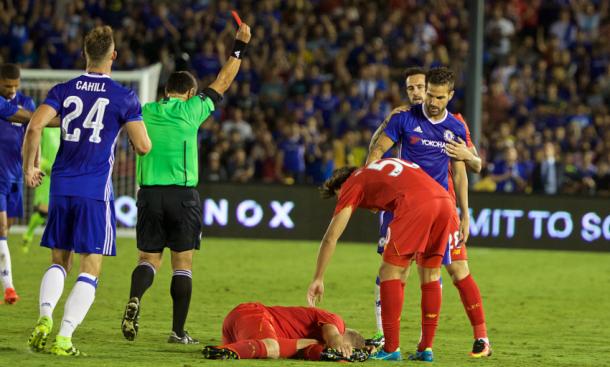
423, 213
253, 330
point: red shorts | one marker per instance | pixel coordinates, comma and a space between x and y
421, 229
457, 251
247, 321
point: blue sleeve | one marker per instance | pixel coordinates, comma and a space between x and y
133, 110
7, 109
54, 98
394, 128
30, 105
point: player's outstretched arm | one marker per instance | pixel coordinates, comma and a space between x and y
327, 248
31, 143
231, 67
335, 340
460, 182
136, 130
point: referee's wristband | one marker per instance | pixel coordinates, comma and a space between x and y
239, 49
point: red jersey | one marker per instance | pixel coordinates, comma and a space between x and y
469, 144
388, 184
302, 322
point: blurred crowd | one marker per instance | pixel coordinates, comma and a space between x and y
321, 75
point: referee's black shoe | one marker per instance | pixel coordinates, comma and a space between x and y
129, 326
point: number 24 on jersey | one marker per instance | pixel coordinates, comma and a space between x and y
93, 120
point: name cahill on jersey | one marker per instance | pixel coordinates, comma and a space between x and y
90, 86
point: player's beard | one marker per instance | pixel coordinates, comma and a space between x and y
433, 111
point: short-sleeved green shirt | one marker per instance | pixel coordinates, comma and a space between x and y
51, 136
172, 126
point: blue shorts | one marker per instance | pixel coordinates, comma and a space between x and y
384, 221
11, 199
82, 225
385, 218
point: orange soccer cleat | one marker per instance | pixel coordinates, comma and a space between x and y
10, 296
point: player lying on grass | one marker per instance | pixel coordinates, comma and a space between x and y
253, 330
423, 214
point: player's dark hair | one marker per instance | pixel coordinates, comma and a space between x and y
340, 175
9, 71
98, 43
441, 76
180, 82
356, 339
414, 70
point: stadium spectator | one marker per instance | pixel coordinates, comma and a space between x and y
509, 173
548, 175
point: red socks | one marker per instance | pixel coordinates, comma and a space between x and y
392, 297
248, 349
313, 352
288, 347
471, 298
431, 296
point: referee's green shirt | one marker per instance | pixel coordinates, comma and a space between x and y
172, 126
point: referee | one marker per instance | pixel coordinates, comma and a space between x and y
169, 208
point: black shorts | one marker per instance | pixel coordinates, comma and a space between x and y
168, 216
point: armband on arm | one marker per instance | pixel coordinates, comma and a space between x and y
239, 49
212, 94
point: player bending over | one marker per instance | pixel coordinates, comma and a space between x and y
439, 142
93, 108
423, 214
253, 330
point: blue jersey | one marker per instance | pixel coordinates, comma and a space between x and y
11, 137
422, 141
93, 108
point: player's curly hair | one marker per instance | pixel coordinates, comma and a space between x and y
98, 43
330, 187
441, 76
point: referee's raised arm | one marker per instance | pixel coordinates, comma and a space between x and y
231, 67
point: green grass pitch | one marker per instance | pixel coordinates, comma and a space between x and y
544, 308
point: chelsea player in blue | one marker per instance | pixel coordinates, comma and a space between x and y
424, 133
93, 109
15, 108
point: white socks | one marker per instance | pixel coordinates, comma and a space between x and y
378, 306
5, 264
51, 288
78, 303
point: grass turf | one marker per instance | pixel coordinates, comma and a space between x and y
544, 308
